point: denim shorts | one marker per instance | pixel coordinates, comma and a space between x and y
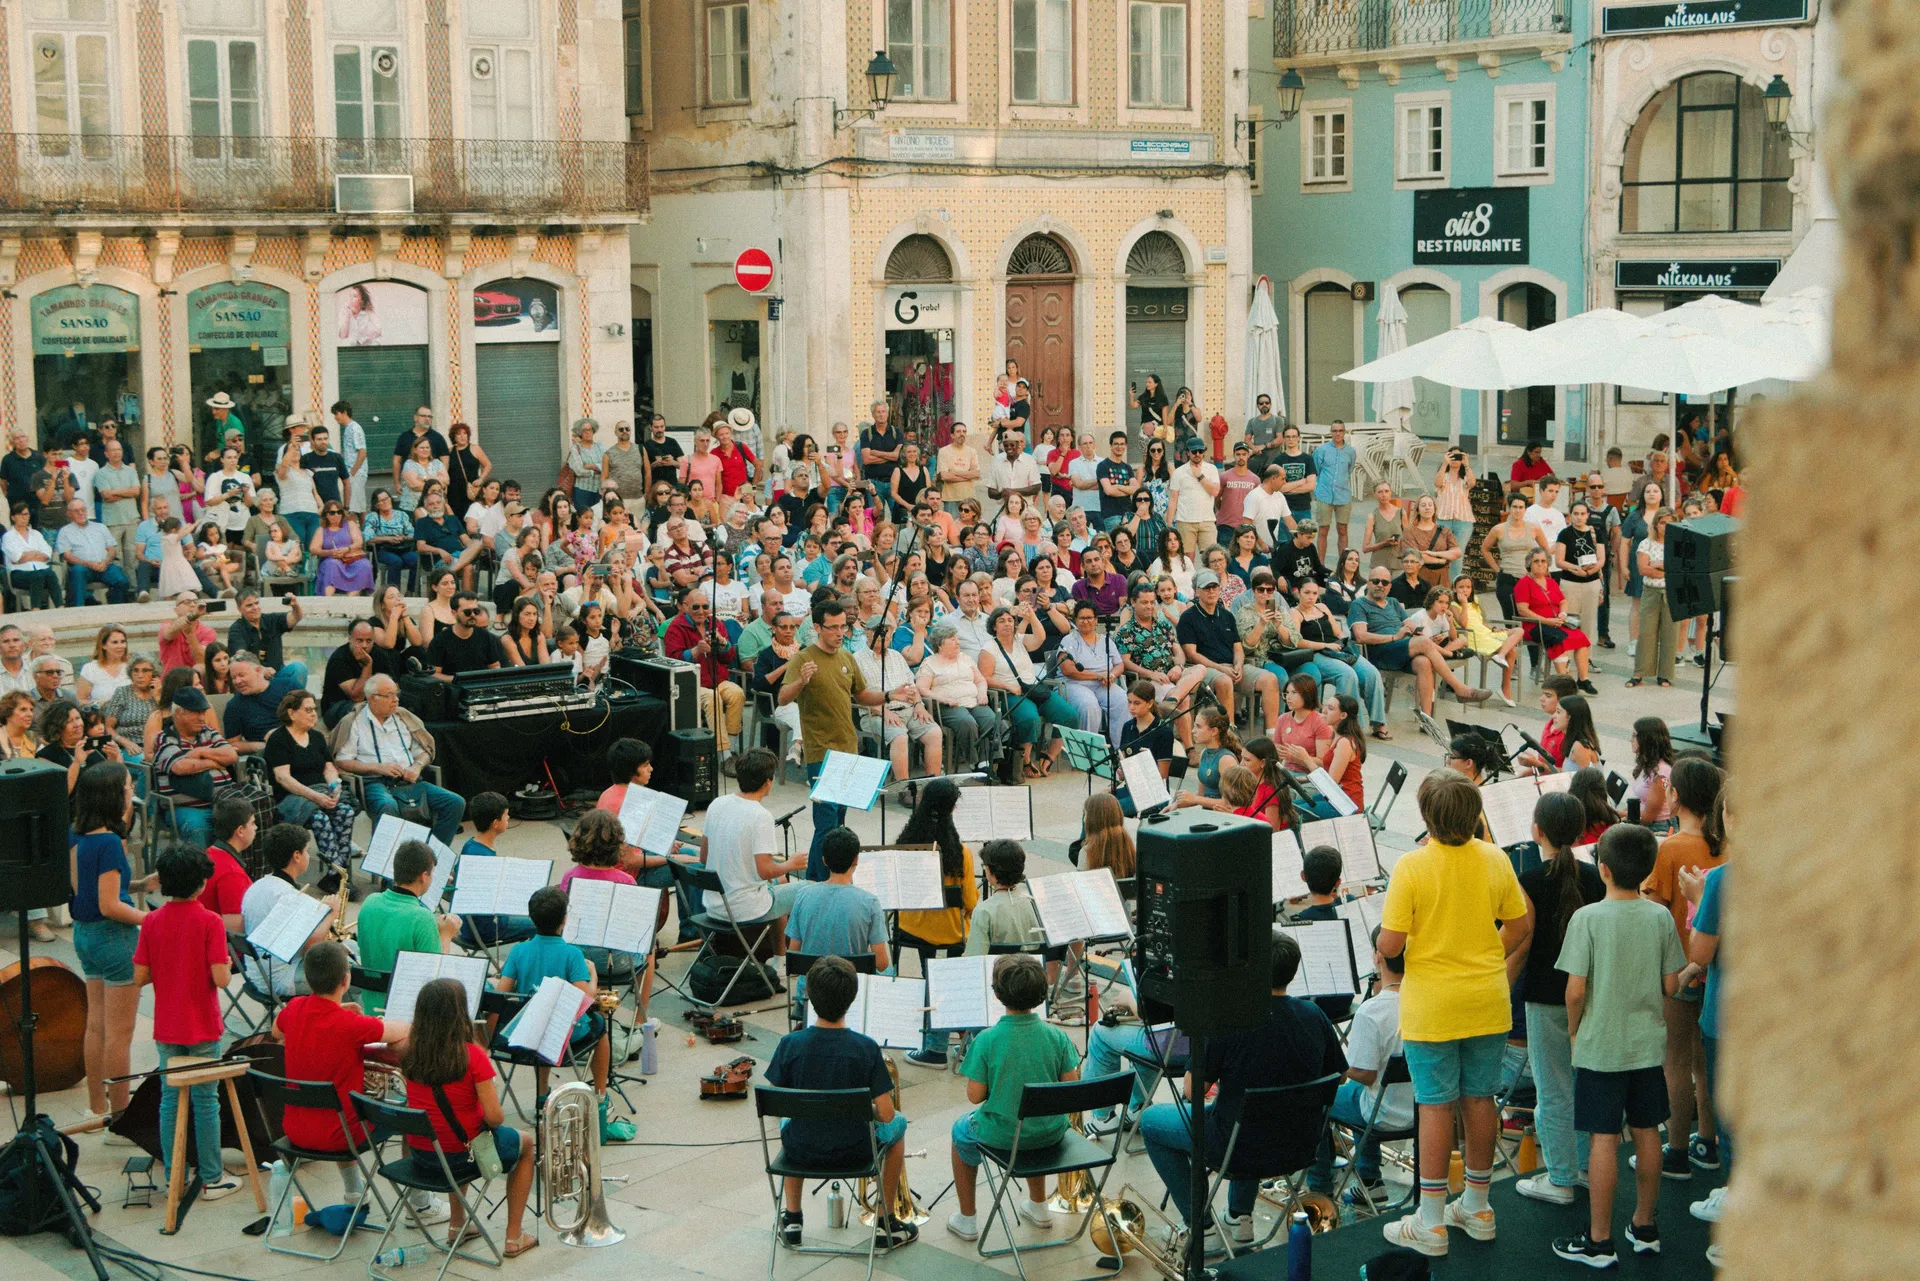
966, 1141
885, 1133
1445, 1071
106, 950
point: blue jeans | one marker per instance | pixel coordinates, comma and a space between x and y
196, 825
662, 878
1462, 531
1104, 1051
205, 1102
39, 586
490, 931
1351, 1106
826, 817
1090, 699
304, 525
79, 577
386, 797
1562, 1148
1170, 1148
395, 563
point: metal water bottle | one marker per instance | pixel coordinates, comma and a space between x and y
1300, 1248
836, 1206
649, 1047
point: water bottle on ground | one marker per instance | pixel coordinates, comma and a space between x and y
1300, 1248
649, 1047
403, 1256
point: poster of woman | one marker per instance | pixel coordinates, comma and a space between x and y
516, 310
381, 313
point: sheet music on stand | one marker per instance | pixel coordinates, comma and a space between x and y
994, 814
1322, 782
891, 1011
414, 970
650, 820
1080, 905
903, 880
853, 781
1087, 751
1352, 835
389, 834
1288, 866
444, 861
1326, 959
288, 926
496, 885
607, 914
1361, 921
1144, 784
1560, 782
1509, 810
960, 990
545, 1023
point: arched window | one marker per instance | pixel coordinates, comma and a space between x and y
919, 258
1040, 255
1157, 254
1703, 158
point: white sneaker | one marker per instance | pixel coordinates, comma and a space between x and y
1239, 1228
216, 1191
963, 1226
1101, 1126
1710, 1210
1477, 1224
1414, 1235
1541, 1187
1036, 1213
433, 1211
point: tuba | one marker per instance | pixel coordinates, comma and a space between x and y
904, 1208
1073, 1191
570, 1162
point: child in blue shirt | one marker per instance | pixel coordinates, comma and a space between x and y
547, 955
488, 811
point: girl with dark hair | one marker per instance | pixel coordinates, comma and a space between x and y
1652, 770
1472, 757
451, 1079
940, 931
1150, 400
213, 670
1269, 801
1589, 787
106, 928
1156, 478
63, 741
1342, 712
1579, 739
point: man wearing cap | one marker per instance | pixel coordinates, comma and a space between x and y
1011, 471
1236, 483
740, 466
1386, 632
1191, 497
1333, 461
1211, 638
191, 761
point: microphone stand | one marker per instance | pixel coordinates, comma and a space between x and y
713, 647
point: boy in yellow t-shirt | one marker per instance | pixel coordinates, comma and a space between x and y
1456, 914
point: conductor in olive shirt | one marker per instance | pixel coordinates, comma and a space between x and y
826, 682
467, 646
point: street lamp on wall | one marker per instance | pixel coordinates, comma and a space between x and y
881, 73
1287, 99
1777, 100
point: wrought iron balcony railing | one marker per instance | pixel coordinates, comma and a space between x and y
1309, 28
173, 174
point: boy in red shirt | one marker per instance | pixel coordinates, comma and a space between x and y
234, 828
183, 953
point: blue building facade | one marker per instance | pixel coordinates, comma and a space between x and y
1439, 154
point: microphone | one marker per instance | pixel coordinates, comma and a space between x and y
1531, 742
786, 818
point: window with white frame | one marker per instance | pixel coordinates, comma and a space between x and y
1043, 52
920, 43
501, 59
1157, 54
366, 91
1423, 141
729, 55
224, 41
1525, 145
72, 82
1256, 151
1327, 144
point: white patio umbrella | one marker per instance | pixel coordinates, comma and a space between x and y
1397, 395
1263, 376
1789, 338
1483, 354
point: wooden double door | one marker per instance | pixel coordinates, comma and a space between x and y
1040, 337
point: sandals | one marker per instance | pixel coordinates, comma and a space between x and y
1033, 771
1382, 733
524, 1243
1634, 682
1663, 683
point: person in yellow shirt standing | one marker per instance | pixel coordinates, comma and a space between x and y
1456, 914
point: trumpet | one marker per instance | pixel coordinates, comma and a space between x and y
570, 1162
904, 1207
1121, 1229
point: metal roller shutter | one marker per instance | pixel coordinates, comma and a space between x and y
384, 385
518, 423
1158, 348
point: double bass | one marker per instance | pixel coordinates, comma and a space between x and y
59, 1031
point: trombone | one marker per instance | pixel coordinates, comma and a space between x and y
1121, 1229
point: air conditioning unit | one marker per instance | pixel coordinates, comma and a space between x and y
373, 193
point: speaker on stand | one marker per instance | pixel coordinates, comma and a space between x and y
1699, 560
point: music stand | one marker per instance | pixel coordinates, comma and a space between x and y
1485, 734
1088, 752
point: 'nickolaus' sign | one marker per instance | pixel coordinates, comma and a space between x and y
1469, 226
1700, 15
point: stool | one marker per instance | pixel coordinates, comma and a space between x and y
178, 1080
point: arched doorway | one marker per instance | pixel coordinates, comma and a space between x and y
1040, 326
921, 309
1157, 312
1526, 413
1429, 314
1329, 348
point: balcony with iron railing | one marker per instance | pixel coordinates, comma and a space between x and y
1323, 32
61, 174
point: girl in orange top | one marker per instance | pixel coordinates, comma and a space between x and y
942, 931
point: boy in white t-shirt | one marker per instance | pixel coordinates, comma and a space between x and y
1617, 477
1373, 1038
1545, 511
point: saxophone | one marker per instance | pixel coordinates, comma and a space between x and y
904, 1208
340, 929
570, 1163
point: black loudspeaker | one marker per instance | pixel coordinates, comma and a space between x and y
686, 766
34, 868
428, 698
1691, 595
1204, 936
1703, 545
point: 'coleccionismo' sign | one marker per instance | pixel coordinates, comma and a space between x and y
1471, 225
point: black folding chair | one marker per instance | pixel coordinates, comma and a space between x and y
1395, 1073
321, 1097
840, 1107
1166, 1062
798, 963
1073, 1151
239, 952
405, 1176
1376, 812
1290, 1120
698, 877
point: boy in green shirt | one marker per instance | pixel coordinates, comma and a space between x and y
1017, 1051
396, 921
1007, 915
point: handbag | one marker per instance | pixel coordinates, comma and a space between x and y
1548, 635
480, 1148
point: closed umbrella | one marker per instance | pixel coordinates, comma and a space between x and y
1398, 394
1483, 354
1263, 350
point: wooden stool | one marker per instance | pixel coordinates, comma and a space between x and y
177, 1080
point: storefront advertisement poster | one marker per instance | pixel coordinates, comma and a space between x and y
380, 313
516, 310
921, 307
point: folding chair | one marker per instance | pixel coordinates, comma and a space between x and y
412, 1123
843, 1107
1169, 1063
1395, 1073
1074, 1151
321, 1097
501, 1007
1291, 1118
370, 980
698, 877
798, 963
239, 952
1376, 812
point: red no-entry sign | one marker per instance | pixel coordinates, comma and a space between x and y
753, 270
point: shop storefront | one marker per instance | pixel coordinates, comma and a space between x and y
516, 364
239, 342
86, 360
735, 320
921, 321
381, 329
